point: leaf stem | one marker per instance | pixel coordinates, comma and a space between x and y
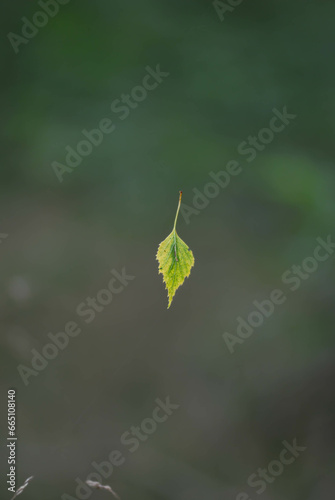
175, 221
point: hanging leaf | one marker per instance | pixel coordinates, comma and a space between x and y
175, 259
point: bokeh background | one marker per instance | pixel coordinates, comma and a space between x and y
113, 210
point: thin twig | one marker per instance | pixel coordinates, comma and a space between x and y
19, 490
99, 486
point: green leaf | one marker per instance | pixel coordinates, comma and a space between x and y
175, 260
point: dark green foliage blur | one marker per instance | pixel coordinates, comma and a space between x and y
112, 211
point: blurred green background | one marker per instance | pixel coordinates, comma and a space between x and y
115, 208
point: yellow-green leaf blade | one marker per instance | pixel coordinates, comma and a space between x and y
175, 262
